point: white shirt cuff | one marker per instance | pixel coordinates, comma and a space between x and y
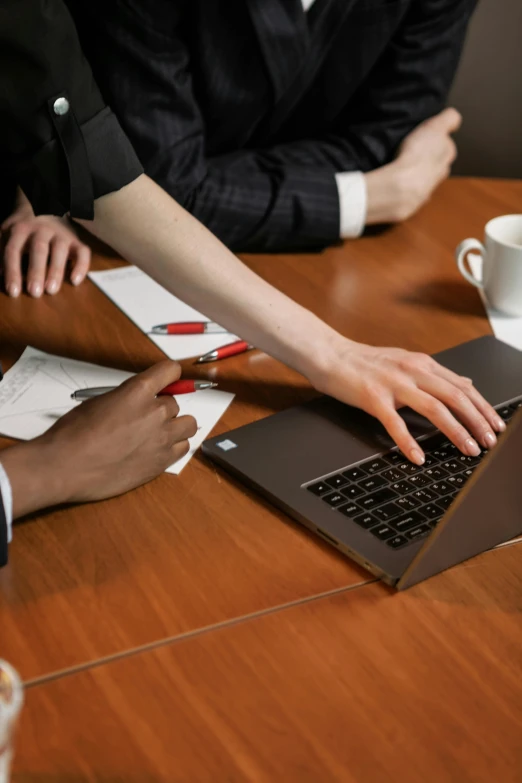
353, 202
7, 498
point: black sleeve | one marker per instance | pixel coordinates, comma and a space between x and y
57, 138
409, 84
285, 197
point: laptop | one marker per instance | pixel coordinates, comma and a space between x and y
334, 469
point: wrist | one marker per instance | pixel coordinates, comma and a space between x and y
394, 192
36, 481
323, 357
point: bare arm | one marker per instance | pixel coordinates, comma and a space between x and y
145, 226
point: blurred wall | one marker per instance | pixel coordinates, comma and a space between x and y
488, 92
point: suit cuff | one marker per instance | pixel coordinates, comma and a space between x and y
6, 495
66, 172
353, 203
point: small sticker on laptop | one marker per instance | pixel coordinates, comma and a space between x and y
226, 445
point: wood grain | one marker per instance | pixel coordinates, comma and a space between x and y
369, 686
189, 551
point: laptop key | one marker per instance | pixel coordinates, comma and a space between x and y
370, 483
441, 488
409, 468
335, 499
430, 460
320, 488
387, 512
377, 498
394, 458
445, 502
516, 405
397, 541
403, 487
383, 532
505, 413
431, 511
408, 503
409, 521
354, 474
425, 495
349, 510
457, 482
452, 466
394, 474
419, 481
468, 461
444, 452
365, 520
374, 465
437, 473
337, 481
352, 491
418, 532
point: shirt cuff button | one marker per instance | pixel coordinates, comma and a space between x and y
61, 106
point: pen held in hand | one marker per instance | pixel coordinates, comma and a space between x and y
232, 349
178, 387
189, 327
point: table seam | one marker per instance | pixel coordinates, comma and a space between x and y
181, 637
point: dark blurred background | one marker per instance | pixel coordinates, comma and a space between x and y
488, 91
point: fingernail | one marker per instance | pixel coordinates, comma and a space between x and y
76, 279
417, 457
13, 289
500, 425
490, 440
52, 287
472, 448
35, 289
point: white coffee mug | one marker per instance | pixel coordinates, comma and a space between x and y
501, 255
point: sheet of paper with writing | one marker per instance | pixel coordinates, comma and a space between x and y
148, 304
36, 392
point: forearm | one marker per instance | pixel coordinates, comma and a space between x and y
148, 228
36, 482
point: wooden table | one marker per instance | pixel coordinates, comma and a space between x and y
366, 686
185, 562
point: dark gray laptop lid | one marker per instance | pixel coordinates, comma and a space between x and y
488, 512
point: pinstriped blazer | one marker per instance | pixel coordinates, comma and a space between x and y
244, 110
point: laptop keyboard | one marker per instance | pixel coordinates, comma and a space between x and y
393, 499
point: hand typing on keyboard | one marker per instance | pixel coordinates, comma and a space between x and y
382, 380
396, 501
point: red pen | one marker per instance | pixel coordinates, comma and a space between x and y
188, 327
232, 349
178, 387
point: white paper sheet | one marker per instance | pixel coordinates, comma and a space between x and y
36, 392
507, 328
148, 304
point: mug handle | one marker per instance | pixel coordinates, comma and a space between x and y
461, 254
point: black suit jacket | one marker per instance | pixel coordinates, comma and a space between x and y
244, 110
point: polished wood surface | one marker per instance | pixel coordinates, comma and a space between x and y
191, 551
369, 686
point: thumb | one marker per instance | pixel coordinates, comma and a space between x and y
448, 121
153, 380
